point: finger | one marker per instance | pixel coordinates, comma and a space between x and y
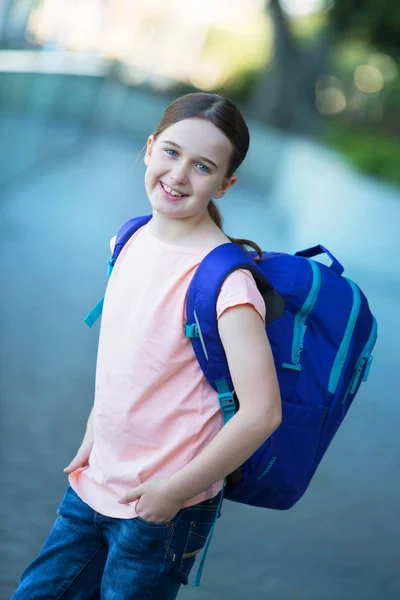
131, 496
75, 464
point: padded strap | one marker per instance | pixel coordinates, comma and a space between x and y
123, 235
201, 302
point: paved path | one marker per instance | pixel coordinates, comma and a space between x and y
58, 210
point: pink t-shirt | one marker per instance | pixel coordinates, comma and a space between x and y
153, 410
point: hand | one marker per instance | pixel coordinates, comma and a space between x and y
157, 502
82, 457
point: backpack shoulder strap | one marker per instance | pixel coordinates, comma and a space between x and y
201, 308
124, 234
202, 328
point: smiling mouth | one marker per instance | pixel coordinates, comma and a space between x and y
171, 192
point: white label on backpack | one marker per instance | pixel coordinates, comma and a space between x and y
200, 335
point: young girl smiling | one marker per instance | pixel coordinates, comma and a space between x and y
146, 483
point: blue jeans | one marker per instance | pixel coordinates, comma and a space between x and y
90, 556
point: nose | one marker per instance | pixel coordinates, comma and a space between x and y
179, 173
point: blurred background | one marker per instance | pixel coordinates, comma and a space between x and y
82, 85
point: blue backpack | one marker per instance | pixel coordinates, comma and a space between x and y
321, 332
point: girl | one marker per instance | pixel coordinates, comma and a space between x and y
146, 483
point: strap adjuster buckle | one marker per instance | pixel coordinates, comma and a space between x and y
192, 331
227, 402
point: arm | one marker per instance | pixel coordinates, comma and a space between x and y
252, 368
255, 381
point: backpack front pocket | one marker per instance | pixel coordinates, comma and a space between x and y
284, 464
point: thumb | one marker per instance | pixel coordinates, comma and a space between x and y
74, 464
80, 460
134, 494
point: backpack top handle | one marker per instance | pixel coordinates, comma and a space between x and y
315, 250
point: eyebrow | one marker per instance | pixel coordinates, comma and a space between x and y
203, 158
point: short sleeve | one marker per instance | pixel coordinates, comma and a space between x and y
240, 288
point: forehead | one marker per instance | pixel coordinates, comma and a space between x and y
199, 137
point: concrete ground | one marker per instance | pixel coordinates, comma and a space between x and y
63, 194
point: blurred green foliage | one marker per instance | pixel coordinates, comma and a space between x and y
362, 32
374, 21
374, 153
367, 32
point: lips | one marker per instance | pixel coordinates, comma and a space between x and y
172, 196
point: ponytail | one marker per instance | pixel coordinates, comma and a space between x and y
217, 218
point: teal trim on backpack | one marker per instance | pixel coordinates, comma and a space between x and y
227, 404
368, 368
299, 324
94, 314
365, 357
226, 400
345, 344
301, 317
207, 544
192, 331
269, 467
292, 367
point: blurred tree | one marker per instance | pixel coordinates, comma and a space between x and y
375, 21
283, 95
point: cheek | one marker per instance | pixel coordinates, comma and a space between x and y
152, 173
157, 166
208, 188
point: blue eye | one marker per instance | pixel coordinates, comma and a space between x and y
200, 166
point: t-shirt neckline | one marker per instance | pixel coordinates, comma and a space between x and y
173, 247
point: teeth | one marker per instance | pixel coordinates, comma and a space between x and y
171, 191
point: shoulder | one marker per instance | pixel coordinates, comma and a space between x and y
240, 288
135, 235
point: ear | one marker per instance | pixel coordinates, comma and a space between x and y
149, 150
229, 182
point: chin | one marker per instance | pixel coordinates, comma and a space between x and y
167, 210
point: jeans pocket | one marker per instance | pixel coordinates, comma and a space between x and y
190, 532
195, 542
152, 523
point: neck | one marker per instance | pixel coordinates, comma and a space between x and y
176, 231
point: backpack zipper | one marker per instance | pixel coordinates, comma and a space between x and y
302, 315
365, 357
345, 344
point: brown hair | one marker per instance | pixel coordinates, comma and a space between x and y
224, 115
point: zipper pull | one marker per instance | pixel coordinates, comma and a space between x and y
367, 368
298, 353
300, 347
356, 376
